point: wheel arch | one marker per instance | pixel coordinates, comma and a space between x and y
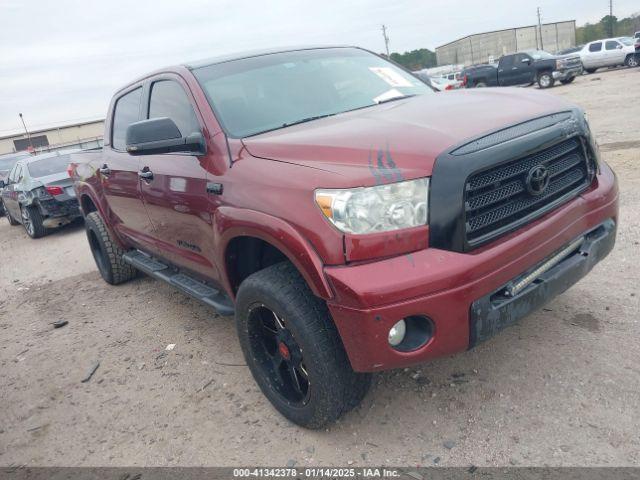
263, 240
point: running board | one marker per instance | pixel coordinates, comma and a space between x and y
198, 290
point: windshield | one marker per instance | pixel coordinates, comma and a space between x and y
268, 92
540, 54
628, 41
48, 166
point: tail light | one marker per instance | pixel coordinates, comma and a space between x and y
54, 190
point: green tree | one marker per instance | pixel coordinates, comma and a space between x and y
415, 59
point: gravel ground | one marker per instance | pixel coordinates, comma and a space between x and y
560, 388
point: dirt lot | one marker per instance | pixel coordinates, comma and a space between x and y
561, 388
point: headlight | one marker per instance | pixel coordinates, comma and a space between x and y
376, 209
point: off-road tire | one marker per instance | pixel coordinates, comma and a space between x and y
37, 228
567, 81
334, 388
12, 221
632, 60
541, 80
106, 252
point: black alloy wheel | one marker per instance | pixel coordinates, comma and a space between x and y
278, 355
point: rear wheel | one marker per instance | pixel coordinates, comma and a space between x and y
567, 81
32, 222
590, 70
545, 80
293, 348
631, 60
106, 253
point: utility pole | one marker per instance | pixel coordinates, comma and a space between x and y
386, 39
26, 131
540, 28
610, 18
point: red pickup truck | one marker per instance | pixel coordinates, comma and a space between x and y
350, 218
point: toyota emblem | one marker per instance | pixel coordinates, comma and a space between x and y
537, 180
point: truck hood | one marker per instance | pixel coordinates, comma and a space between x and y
410, 133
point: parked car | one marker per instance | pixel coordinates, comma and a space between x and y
636, 35
39, 194
525, 68
353, 221
7, 162
439, 84
610, 52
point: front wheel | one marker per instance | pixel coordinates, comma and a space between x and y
567, 81
545, 80
32, 222
12, 221
293, 349
481, 85
631, 61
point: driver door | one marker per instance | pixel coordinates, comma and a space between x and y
175, 192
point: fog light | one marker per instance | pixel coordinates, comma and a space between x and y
397, 333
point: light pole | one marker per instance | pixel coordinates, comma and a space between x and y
27, 132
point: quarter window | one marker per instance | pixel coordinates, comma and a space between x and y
595, 47
168, 99
127, 111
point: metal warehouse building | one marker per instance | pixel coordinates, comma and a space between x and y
488, 47
77, 135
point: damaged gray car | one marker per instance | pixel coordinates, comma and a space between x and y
39, 194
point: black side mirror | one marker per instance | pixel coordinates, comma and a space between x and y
161, 135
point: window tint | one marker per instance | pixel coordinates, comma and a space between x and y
126, 112
595, 47
611, 45
519, 58
506, 62
12, 174
168, 99
17, 174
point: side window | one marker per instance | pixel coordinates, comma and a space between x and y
520, 57
506, 62
125, 113
17, 176
595, 47
611, 45
168, 99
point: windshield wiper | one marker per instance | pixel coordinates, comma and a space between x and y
308, 119
393, 99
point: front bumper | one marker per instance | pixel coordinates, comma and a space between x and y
568, 73
451, 287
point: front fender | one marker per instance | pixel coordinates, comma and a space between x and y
231, 222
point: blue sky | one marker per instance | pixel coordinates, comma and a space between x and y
60, 60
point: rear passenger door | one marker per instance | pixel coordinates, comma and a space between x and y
10, 194
594, 56
176, 196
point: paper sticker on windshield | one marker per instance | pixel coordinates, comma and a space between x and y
388, 95
390, 76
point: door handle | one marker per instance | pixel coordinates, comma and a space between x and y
146, 174
105, 170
